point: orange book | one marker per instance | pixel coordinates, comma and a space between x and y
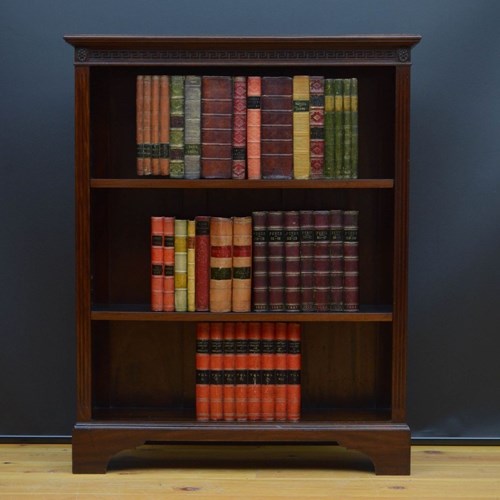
202, 372
155, 125
241, 371
221, 263
216, 371
146, 126
242, 264
229, 359
168, 264
268, 371
156, 263
164, 125
293, 372
280, 358
139, 125
254, 92
254, 394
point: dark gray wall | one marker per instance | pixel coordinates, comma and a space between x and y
454, 374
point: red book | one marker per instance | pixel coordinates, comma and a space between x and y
146, 127
260, 292
156, 263
254, 390
254, 92
239, 127
241, 371
139, 127
276, 258
292, 261
155, 125
202, 262
306, 260
321, 260
293, 371
168, 263
229, 365
280, 370
216, 127
336, 260
351, 261
317, 125
202, 371
268, 372
164, 125
216, 371
277, 127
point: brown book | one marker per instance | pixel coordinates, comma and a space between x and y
216, 364
241, 371
292, 260
277, 127
254, 391
156, 263
242, 264
276, 261
321, 260
336, 260
254, 92
139, 125
202, 262
146, 126
351, 261
202, 372
239, 127
221, 263
260, 283
155, 125
164, 125
229, 365
306, 260
216, 127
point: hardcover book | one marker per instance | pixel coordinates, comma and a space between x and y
180, 247
301, 128
156, 263
276, 258
354, 128
155, 125
280, 367
268, 372
177, 127
294, 358
339, 119
139, 124
321, 260
216, 364
242, 264
317, 125
306, 220
254, 391
221, 263
192, 133
254, 93
336, 260
164, 125
146, 126
239, 127
241, 371
292, 260
229, 365
202, 372
328, 170
168, 264
346, 171
202, 262
351, 261
260, 290
191, 266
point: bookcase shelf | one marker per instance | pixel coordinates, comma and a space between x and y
136, 368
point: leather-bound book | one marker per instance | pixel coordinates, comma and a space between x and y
241, 371
229, 365
242, 264
168, 264
254, 93
260, 284
268, 372
276, 261
155, 125
292, 260
317, 125
191, 266
321, 260
338, 113
336, 260
294, 359
254, 360
239, 127
306, 220
139, 125
156, 263
277, 127
177, 127
202, 262
280, 369
351, 261
216, 389
180, 266
354, 128
202, 372
221, 264
216, 127
164, 125
192, 127
146, 126
301, 128
328, 169
346, 160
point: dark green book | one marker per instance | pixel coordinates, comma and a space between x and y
346, 170
354, 128
329, 129
177, 127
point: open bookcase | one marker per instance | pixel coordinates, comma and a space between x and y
136, 368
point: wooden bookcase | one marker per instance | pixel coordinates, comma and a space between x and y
135, 368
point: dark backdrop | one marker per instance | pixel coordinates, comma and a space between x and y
454, 306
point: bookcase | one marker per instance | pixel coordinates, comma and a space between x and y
136, 368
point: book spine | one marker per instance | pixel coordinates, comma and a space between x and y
177, 127
155, 125
346, 164
241, 371
277, 127
146, 126
293, 371
292, 260
354, 128
216, 372
338, 114
216, 132
156, 263
239, 127
336, 260
180, 265
192, 134
202, 372
260, 291
242, 264
276, 257
221, 263
191, 266
280, 368
306, 220
268, 372
329, 130
229, 360
202, 263
317, 125
301, 128
351, 261
254, 95
139, 125
254, 390
169, 264
321, 260
164, 125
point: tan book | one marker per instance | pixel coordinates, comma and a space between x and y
242, 264
221, 263
301, 128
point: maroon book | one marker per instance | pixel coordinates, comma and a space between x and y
351, 261
321, 260
306, 260
336, 260
260, 292
276, 258
202, 263
317, 125
216, 127
292, 261
239, 127
277, 127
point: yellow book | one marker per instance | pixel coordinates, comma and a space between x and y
180, 265
301, 129
190, 266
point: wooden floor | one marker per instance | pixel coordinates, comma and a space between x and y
249, 472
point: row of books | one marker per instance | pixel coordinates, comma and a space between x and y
248, 371
255, 127
278, 261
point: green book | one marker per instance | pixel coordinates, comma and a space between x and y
338, 106
346, 170
329, 129
177, 127
354, 128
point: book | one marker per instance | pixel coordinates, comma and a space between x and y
301, 128
277, 128
354, 128
146, 126
155, 125
260, 290
306, 221
168, 264
268, 390
317, 125
229, 366
292, 260
202, 262
156, 263
139, 125
164, 125
202, 372
191, 266
254, 93
280, 368
177, 127
242, 264
336, 261
351, 261
339, 120
216, 131
329, 159
241, 371
254, 389
180, 265
239, 127
216, 365
192, 127
221, 263
321, 260
346, 171
294, 359
275, 259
